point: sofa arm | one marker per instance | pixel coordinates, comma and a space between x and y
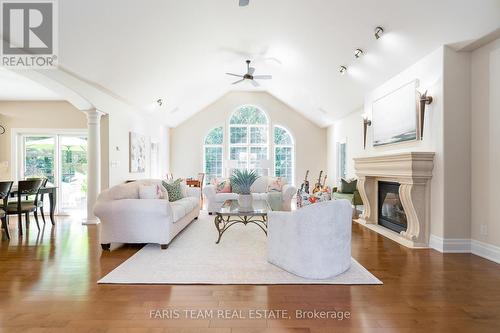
288, 191
209, 191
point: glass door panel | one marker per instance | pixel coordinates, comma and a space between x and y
73, 178
39, 157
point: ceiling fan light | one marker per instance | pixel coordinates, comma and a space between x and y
378, 32
358, 53
342, 70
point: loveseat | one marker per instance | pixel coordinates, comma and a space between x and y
127, 219
278, 200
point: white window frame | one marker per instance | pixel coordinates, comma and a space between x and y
213, 146
284, 146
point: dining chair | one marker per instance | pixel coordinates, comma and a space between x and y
41, 197
5, 188
20, 207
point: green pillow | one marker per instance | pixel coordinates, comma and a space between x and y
173, 189
348, 186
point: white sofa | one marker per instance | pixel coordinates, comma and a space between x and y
127, 219
215, 200
312, 242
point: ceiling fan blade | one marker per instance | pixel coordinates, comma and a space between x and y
236, 82
263, 77
237, 75
244, 3
251, 70
255, 83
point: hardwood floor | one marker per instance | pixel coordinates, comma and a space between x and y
48, 284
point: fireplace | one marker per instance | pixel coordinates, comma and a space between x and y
390, 209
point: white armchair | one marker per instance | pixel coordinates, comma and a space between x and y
312, 242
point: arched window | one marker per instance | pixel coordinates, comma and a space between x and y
283, 154
213, 154
248, 138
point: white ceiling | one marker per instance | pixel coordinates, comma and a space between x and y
180, 50
15, 87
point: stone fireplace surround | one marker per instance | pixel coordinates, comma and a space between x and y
413, 171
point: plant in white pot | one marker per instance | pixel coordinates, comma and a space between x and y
241, 181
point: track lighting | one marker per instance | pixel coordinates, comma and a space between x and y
378, 32
342, 70
159, 101
358, 53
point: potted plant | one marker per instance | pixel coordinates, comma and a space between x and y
241, 181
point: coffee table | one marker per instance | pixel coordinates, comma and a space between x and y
230, 214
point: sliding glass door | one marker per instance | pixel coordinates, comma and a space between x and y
62, 159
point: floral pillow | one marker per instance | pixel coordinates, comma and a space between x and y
174, 190
222, 185
276, 184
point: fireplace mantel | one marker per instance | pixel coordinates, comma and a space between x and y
413, 171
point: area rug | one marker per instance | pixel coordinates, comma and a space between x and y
240, 258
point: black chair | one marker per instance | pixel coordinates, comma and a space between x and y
40, 201
5, 188
25, 188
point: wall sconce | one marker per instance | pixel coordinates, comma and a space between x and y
424, 100
366, 122
2, 130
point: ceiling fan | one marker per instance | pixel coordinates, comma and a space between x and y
249, 76
244, 3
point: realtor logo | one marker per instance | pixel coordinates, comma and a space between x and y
29, 34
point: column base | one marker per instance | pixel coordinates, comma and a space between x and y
90, 221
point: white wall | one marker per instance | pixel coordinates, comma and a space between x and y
429, 72
485, 147
186, 156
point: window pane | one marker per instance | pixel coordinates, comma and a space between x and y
343, 167
248, 115
213, 163
258, 135
73, 173
39, 157
257, 154
283, 163
238, 135
214, 137
239, 154
282, 137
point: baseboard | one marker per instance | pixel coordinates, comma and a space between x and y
487, 251
450, 245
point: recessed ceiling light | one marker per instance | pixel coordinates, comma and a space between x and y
378, 32
358, 53
342, 70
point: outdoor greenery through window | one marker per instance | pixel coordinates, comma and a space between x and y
283, 154
213, 154
248, 131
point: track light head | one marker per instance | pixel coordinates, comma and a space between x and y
342, 70
358, 53
378, 32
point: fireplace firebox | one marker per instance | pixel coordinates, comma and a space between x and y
390, 210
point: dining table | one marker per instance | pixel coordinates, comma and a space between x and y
49, 189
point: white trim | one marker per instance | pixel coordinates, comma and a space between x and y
487, 251
450, 245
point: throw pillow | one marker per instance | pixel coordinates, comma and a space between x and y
306, 199
173, 189
150, 192
348, 186
223, 185
275, 184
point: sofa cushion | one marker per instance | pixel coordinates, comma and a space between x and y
260, 185
275, 184
150, 192
259, 196
124, 191
178, 211
348, 186
347, 196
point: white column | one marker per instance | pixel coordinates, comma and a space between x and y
93, 163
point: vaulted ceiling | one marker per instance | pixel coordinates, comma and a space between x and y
180, 50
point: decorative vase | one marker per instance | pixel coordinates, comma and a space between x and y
245, 201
